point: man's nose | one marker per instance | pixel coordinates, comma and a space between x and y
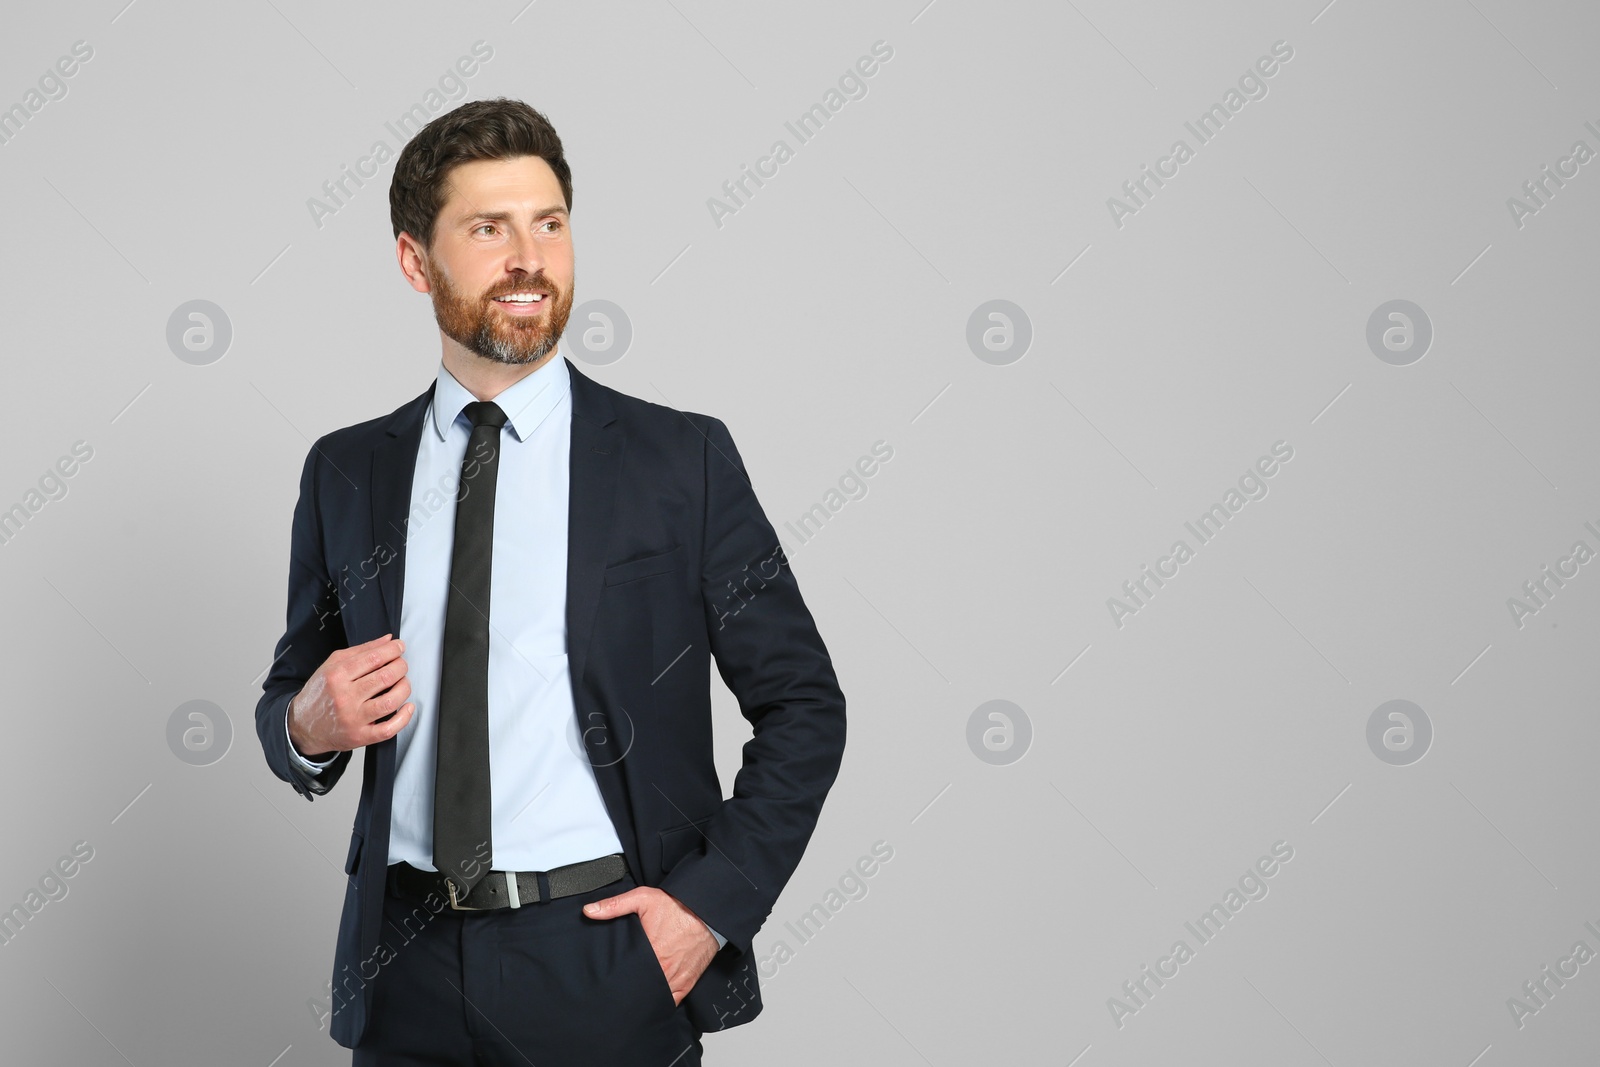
523, 254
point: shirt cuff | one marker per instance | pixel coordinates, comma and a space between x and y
309, 766
720, 939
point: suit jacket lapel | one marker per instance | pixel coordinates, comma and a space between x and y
595, 466
394, 463
595, 461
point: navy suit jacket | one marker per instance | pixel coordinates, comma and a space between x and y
671, 563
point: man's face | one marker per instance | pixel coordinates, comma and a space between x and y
503, 231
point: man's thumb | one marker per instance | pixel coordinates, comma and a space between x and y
617, 905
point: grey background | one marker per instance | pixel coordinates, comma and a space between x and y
830, 312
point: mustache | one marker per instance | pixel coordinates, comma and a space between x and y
538, 284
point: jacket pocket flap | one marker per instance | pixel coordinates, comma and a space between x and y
633, 569
354, 858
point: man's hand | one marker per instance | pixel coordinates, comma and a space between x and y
683, 944
344, 704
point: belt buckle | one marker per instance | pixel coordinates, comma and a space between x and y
451, 886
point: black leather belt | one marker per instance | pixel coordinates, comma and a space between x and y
507, 889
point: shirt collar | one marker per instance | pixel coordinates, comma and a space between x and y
526, 403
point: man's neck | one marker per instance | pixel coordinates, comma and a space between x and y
485, 378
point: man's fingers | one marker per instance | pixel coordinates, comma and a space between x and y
369, 654
382, 687
385, 663
380, 707
382, 731
357, 661
404, 717
363, 672
611, 907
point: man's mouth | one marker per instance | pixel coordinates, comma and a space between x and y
523, 303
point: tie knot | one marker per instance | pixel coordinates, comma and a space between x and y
486, 413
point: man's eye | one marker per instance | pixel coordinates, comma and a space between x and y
485, 226
553, 222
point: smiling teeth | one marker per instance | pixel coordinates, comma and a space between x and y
521, 298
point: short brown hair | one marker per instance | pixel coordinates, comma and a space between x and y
480, 129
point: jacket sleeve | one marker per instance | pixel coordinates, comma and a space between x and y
772, 659
313, 632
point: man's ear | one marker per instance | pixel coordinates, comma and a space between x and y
413, 260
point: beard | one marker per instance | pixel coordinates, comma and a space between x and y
478, 325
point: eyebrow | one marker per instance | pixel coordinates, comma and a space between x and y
506, 216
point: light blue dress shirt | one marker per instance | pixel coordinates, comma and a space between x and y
546, 804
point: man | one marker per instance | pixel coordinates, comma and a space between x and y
509, 592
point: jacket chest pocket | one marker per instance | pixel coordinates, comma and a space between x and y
634, 570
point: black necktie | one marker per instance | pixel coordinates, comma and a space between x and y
462, 847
